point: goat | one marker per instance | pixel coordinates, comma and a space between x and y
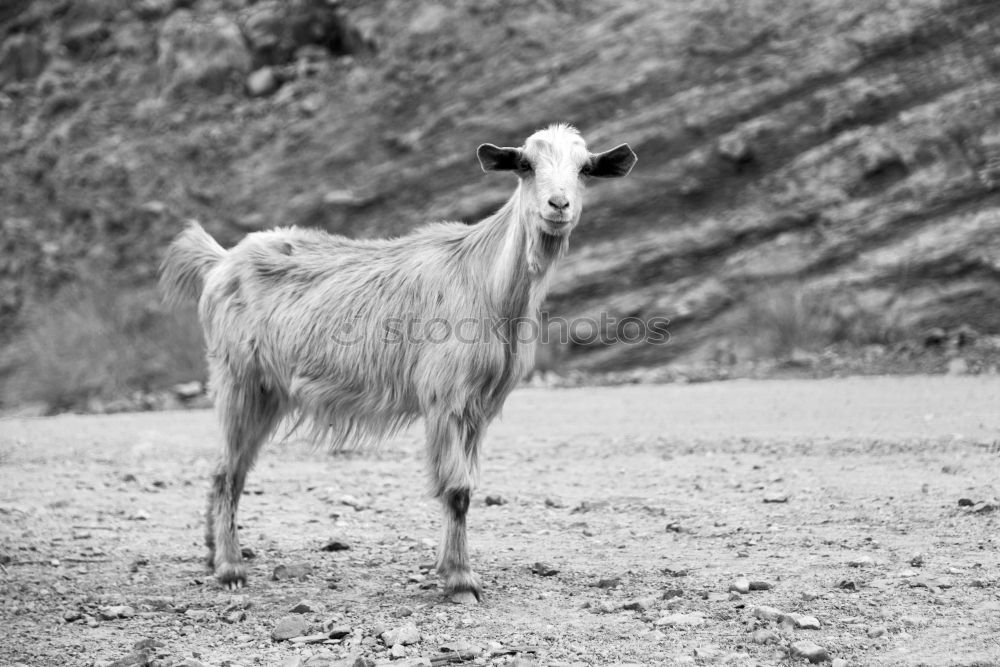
304, 323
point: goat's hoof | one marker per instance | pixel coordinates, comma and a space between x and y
464, 597
463, 587
231, 576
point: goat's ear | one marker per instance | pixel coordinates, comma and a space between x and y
614, 163
494, 158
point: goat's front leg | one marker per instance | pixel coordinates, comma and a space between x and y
453, 450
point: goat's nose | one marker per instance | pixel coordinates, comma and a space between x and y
558, 202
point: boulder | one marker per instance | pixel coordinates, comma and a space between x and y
201, 56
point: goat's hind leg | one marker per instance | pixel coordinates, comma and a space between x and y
248, 417
453, 447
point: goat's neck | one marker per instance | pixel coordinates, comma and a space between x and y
523, 257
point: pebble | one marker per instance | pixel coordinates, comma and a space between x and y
288, 627
116, 611
765, 637
917, 560
966, 502
672, 593
741, 586
543, 569
305, 606
402, 612
861, 561
495, 500
71, 616
262, 82
405, 634
776, 497
291, 571
877, 631
760, 586
766, 613
339, 631
802, 622
693, 619
335, 545
397, 651
810, 651
610, 582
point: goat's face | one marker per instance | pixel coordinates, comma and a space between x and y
553, 165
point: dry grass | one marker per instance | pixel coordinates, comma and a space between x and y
785, 319
98, 341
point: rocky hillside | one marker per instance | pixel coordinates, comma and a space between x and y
810, 173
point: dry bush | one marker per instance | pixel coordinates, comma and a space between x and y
785, 319
96, 341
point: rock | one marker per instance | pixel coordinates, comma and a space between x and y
461, 646
405, 634
839, 662
188, 662
917, 560
966, 502
397, 651
22, 57
188, 390
288, 627
543, 569
495, 500
766, 613
810, 651
958, 366
611, 582
860, 561
148, 643
235, 616
760, 586
802, 622
317, 638
112, 612
692, 619
603, 607
198, 614
291, 571
640, 604
654, 636
848, 585
741, 586
876, 631
763, 636
305, 606
262, 82
195, 55
776, 497
914, 621
719, 597
339, 631
335, 545
670, 593
72, 616
984, 507
276, 29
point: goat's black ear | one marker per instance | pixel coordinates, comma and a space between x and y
494, 158
614, 163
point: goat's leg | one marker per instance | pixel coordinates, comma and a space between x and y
247, 421
453, 448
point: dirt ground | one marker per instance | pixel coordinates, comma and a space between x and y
659, 491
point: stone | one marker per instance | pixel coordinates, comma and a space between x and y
201, 56
188, 390
288, 627
397, 651
317, 638
760, 586
966, 502
775, 497
876, 631
305, 606
810, 651
339, 631
113, 612
262, 82
335, 545
543, 569
861, 561
765, 613
22, 57
495, 500
72, 616
235, 616
198, 614
405, 634
741, 586
640, 604
291, 571
611, 582
958, 366
839, 662
763, 636
802, 622
692, 619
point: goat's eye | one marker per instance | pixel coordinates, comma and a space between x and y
587, 168
523, 164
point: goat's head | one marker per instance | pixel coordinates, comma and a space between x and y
553, 165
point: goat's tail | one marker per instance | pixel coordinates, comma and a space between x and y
189, 258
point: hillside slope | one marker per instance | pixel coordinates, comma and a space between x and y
835, 162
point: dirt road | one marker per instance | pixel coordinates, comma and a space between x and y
655, 492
